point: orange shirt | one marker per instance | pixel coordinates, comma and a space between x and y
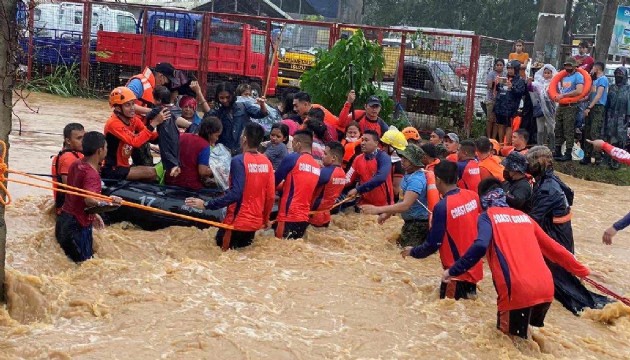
491, 167
523, 58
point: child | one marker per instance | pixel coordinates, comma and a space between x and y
168, 132
277, 148
73, 229
521, 56
351, 144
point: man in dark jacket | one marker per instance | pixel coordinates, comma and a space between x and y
518, 190
510, 91
551, 209
617, 113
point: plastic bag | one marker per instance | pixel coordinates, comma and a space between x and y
219, 163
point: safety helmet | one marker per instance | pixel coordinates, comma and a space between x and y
121, 95
411, 133
394, 138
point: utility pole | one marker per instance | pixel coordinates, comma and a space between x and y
8, 47
604, 35
549, 32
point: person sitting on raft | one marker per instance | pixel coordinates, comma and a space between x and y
297, 176
332, 180
413, 207
517, 249
124, 132
73, 229
623, 157
194, 155
453, 231
250, 197
72, 150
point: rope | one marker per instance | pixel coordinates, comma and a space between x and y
337, 204
607, 291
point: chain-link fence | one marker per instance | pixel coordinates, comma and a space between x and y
432, 74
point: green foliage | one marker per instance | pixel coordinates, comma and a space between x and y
63, 81
328, 82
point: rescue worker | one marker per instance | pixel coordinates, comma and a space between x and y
393, 140
298, 173
142, 85
489, 164
72, 150
453, 231
412, 135
437, 138
467, 166
250, 197
617, 112
74, 225
125, 131
414, 205
372, 170
332, 180
551, 209
451, 142
621, 156
302, 106
571, 85
517, 186
516, 249
368, 119
430, 158
520, 137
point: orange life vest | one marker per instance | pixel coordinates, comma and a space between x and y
433, 195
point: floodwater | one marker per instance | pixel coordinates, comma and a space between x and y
342, 293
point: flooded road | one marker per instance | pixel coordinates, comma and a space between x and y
342, 293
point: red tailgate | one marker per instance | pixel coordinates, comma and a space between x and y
119, 48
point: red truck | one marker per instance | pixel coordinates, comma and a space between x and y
236, 52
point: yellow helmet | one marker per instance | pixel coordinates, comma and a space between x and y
394, 138
121, 95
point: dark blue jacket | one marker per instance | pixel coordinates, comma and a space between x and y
507, 102
234, 119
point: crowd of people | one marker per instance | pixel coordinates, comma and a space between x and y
464, 199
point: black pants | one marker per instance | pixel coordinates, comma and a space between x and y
291, 230
458, 290
516, 322
75, 240
236, 239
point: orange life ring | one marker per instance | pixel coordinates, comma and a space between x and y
553, 87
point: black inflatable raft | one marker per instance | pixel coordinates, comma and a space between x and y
169, 198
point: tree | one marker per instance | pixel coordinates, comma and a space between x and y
8, 59
605, 31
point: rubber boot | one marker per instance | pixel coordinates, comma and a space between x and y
557, 155
567, 156
586, 160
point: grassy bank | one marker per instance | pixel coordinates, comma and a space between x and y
595, 173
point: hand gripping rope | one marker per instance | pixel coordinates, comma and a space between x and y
67, 189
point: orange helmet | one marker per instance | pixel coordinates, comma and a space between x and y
495, 146
121, 95
411, 133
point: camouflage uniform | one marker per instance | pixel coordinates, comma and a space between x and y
413, 233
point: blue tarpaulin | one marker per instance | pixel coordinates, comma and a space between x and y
326, 8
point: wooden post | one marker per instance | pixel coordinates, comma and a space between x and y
549, 32
8, 47
604, 35
85, 44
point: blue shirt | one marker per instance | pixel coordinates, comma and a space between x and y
569, 83
601, 81
416, 182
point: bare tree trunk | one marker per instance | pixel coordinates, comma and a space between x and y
549, 32
8, 47
568, 22
604, 35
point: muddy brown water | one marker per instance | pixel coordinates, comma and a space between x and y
341, 293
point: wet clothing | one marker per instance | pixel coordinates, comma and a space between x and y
332, 180
345, 117
300, 173
458, 290
468, 174
453, 231
491, 167
615, 127
291, 230
234, 120
121, 139
416, 182
413, 233
515, 245
168, 139
275, 153
236, 239
73, 228
507, 101
373, 172
551, 201
60, 166
516, 322
250, 197
194, 152
518, 194
195, 122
